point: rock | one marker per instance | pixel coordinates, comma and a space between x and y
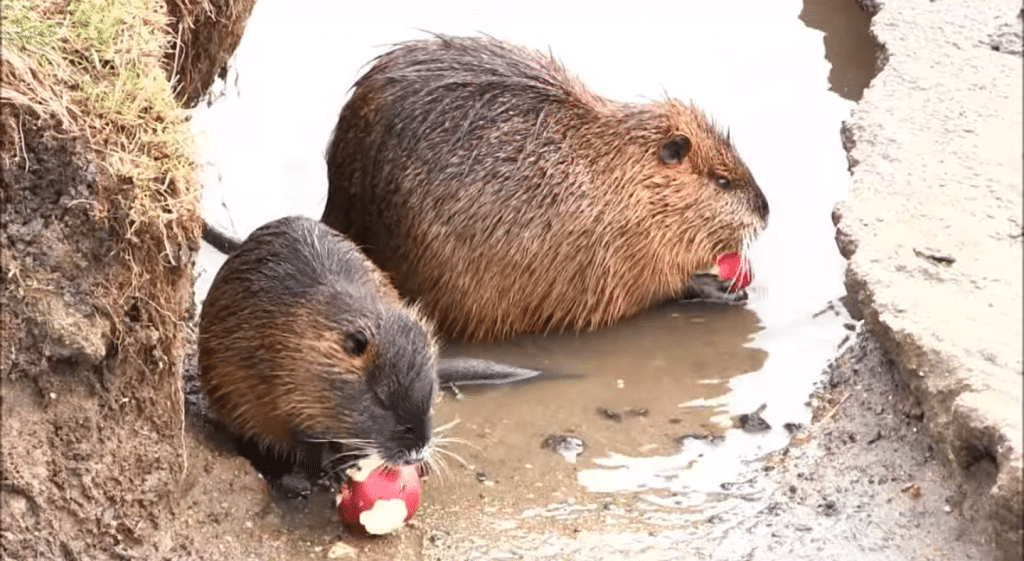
341, 550
931, 229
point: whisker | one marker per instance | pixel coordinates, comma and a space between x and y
334, 471
435, 465
351, 441
447, 426
457, 457
450, 439
359, 452
456, 440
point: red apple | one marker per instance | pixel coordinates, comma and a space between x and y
379, 499
734, 267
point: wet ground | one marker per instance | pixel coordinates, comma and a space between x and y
672, 465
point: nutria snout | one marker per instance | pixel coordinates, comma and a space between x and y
504, 197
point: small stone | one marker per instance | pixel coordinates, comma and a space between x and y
610, 414
828, 507
753, 422
568, 446
793, 428
913, 489
341, 550
710, 438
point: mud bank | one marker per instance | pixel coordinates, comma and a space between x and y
932, 229
100, 230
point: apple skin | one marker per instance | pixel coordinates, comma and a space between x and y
382, 502
729, 265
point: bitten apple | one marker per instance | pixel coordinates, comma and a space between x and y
734, 267
379, 499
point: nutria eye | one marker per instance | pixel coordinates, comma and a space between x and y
356, 343
675, 149
724, 182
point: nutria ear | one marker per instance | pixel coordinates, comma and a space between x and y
675, 149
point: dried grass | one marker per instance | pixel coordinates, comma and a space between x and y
208, 31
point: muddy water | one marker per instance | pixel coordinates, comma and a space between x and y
847, 33
678, 375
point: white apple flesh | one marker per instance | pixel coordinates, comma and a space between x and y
379, 499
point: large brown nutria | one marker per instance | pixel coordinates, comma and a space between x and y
498, 192
308, 355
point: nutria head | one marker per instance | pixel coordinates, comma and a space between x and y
698, 194
301, 340
370, 380
501, 194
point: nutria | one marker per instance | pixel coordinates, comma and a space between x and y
498, 192
308, 355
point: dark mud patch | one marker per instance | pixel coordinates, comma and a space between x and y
207, 33
863, 481
92, 441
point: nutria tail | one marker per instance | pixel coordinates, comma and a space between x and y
219, 240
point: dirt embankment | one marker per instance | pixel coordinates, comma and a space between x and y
934, 242
100, 231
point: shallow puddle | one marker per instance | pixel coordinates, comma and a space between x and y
657, 396
657, 406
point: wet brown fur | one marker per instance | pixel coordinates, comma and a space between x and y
270, 349
506, 198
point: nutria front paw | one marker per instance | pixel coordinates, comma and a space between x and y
711, 288
292, 486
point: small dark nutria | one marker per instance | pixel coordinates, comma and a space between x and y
310, 358
498, 192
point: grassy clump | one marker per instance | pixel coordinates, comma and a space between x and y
91, 71
95, 67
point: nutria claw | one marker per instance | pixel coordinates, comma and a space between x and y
708, 287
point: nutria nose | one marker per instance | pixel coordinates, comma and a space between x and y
409, 457
410, 444
761, 203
